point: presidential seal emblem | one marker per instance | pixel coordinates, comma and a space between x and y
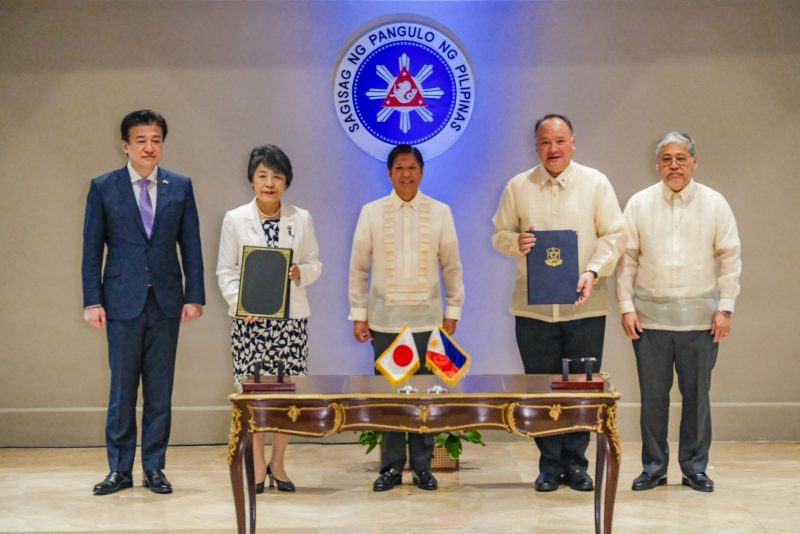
554, 257
404, 82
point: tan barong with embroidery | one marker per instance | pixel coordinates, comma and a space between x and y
398, 249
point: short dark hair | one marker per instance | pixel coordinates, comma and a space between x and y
553, 116
271, 157
404, 149
142, 116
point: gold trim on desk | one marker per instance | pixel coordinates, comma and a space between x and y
423, 412
422, 429
236, 428
611, 424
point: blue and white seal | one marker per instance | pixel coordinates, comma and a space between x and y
404, 82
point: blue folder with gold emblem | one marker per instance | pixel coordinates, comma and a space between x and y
553, 267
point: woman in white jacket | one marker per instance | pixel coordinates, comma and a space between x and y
267, 221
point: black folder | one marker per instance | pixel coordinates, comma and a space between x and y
553, 267
264, 282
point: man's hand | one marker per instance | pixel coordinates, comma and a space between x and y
584, 287
361, 331
95, 316
449, 326
526, 241
191, 312
631, 325
720, 326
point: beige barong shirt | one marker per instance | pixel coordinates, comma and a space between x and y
580, 199
398, 249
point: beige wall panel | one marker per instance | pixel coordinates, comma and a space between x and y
232, 74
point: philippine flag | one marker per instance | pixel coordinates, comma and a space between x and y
400, 360
445, 358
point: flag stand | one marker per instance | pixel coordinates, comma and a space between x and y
408, 389
437, 387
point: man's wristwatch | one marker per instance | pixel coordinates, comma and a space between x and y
726, 313
594, 273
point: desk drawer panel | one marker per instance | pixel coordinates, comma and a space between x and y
544, 418
424, 416
310, 419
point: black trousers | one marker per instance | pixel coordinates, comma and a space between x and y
393, 444
693, 355
142, 348
542, 345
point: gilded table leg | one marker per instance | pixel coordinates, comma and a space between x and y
600, 469
249, 469
609, 453
236, 452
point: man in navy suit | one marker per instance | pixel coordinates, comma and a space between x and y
140, 215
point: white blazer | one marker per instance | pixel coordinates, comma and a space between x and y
242, 226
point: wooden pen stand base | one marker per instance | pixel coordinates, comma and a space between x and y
267, 384
577, 381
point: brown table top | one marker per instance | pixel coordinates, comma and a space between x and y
348, 386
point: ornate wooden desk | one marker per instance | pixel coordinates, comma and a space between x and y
522, 404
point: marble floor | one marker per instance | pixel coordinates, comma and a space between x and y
48, 490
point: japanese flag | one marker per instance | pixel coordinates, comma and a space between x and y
400, 360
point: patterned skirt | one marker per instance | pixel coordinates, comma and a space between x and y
269, 340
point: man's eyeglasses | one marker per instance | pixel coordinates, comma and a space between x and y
666, 161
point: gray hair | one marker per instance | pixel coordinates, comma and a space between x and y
676, 137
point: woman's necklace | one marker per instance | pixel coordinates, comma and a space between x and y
270, 215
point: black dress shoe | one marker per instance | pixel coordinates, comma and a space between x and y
648, 481
579, 480
113, 482
156, 481
547, 482
283, 485
387, 480
425, 480
699, 482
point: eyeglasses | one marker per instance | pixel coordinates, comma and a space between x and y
666, 161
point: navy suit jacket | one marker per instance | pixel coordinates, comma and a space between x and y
133, 262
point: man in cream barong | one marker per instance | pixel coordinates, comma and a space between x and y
400, 243
560, 194
676, 285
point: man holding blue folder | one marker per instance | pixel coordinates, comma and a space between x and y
560, 194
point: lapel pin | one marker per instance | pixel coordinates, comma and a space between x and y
165, 182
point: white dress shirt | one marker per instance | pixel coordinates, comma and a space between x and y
400, 246
580, 199
682, 259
